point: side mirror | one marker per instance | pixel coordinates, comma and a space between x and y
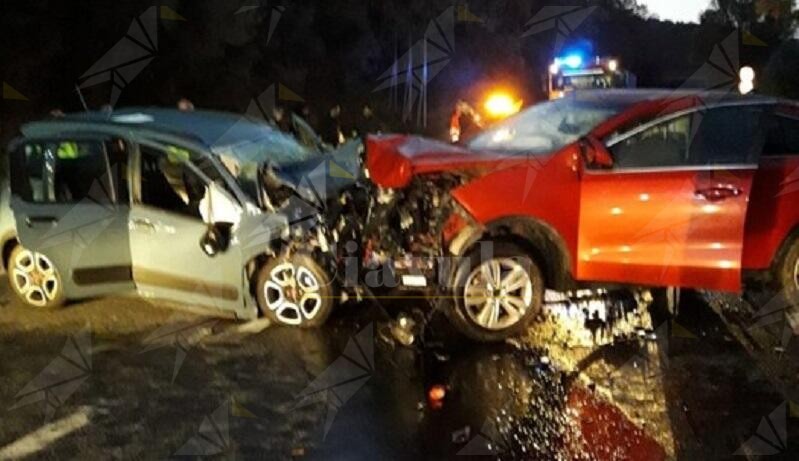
220, 214
596, 154
216, 239
218, 207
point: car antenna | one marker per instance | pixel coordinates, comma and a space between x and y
82, 101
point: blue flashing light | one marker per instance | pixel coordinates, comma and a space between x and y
573, 61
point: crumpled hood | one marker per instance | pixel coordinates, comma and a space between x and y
324, 176
393, 160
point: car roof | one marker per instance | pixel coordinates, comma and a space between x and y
636, 105
630, 97
216, 130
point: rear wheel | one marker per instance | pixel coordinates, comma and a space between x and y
787, 274
666, 302
495, 298
295, 291
665, 307
35, 279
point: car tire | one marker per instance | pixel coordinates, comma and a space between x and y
665, 307
786, 274
665, 302
295, 291
506, 312
35, 279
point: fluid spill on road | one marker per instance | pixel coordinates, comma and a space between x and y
509, 402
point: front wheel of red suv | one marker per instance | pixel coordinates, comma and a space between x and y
495, 297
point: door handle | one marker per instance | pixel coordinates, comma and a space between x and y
718, 193
31, 221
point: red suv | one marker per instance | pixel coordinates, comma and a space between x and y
633, 187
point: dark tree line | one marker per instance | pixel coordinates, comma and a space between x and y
220, 54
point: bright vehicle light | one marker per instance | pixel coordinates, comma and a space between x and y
747, 74
613, 65
574, 61
554, 69
501, 105
747, 84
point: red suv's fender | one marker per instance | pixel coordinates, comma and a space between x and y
544, 189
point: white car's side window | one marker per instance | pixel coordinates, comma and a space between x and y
167, 182
65, 171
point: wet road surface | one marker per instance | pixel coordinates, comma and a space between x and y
127, 379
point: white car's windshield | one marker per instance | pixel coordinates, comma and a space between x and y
245, 158
278, 148
545, 127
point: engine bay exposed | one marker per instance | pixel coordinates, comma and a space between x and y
404, 226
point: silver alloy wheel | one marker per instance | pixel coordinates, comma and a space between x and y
498, 293
293, 294
34, 278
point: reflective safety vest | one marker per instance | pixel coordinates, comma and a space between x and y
67, 150
177, 155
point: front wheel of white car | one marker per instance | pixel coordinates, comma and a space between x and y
295, 291
35, 279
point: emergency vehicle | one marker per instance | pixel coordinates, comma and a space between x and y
574, 72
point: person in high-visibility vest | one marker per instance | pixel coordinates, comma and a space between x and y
67, 150
464, 123
177, 155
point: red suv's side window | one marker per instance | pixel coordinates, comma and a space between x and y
727, 136
782, 137
719, 136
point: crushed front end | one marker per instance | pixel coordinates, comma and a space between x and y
412, 217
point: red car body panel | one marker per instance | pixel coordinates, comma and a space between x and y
525, 190
664, 228
653, 229
774, 205
774, 210
394, 160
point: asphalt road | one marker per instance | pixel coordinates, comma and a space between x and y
124, 378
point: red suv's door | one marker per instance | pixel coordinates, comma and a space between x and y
671, 211
774, 202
